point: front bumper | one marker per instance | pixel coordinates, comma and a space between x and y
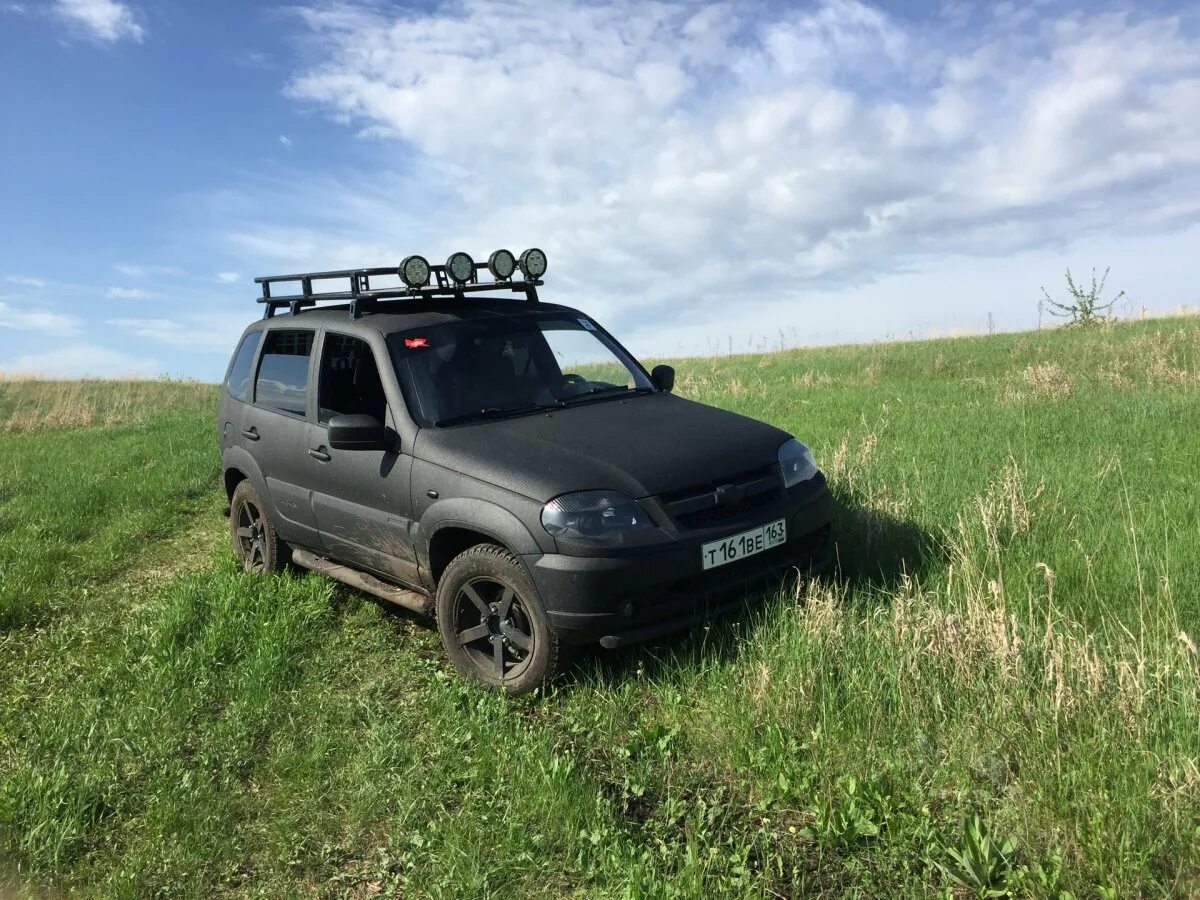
618, 600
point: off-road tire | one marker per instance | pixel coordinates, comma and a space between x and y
252, 533
490, 571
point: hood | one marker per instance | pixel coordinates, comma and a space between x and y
642, 446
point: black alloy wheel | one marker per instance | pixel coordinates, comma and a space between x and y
252, 534
492, 626
492, 623
253, 551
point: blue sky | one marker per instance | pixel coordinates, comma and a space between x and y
702, 176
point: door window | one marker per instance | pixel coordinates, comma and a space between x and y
349, 380
238, 381
283, 372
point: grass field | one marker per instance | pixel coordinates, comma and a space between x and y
999, 691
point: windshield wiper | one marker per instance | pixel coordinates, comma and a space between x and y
591, 393
495, 412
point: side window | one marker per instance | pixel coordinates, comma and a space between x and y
349, 380
238, 380
283, 372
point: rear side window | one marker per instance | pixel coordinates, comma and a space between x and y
238, 381
283, 372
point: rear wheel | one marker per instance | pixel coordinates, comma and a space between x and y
492, 625
254, 541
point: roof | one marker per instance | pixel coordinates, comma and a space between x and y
401, 315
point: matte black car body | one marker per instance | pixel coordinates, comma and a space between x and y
403, 513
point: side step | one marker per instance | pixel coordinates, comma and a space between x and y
418, 603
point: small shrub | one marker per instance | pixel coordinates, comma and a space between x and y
1084, 307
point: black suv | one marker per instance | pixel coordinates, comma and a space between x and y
501, 463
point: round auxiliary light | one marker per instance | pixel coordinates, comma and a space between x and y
461, 267
502, 264
414, 271
533, 263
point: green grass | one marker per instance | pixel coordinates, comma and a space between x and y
999, 691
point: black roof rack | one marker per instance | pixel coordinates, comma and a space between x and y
362, 298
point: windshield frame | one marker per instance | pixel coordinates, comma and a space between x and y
412, 401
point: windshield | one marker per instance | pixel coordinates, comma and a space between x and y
509, 365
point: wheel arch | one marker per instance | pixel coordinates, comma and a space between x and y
451, 540
454, 526
232, 477
237, 466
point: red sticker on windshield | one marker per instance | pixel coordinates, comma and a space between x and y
414, 343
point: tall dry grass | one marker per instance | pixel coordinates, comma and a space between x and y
35, 405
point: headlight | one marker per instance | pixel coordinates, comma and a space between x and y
797, 463
600, 517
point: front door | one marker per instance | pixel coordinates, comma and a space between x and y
360, 497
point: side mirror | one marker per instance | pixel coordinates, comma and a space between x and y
356, 432
663, 378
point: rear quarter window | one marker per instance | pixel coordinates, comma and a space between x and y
237, 382
282, 382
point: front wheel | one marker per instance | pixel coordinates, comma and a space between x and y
492, 625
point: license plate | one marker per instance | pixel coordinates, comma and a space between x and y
738, 546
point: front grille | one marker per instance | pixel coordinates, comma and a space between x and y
719, 515
718, 502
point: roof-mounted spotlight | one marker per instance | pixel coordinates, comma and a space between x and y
533, 263
460, 267
502, 264
414, 271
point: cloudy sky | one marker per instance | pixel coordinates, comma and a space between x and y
702, 176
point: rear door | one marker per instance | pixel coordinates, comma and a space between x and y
360, 497
236, 390
274, 430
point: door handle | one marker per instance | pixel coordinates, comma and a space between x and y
319, 454
250, 433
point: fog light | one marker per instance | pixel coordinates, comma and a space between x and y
414, 271
628, 609
502, 264
461, 267
532, 263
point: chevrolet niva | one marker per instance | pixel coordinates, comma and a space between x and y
500, 463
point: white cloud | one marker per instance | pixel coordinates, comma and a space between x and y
673, 155
80, 360
131, 270
120, 293
286, 141
216, 333
228, 277
26, 280
105, 20
33, 319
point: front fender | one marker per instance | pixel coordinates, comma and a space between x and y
483, 516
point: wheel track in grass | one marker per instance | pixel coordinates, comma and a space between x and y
34, 661
81, 504
105, 603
